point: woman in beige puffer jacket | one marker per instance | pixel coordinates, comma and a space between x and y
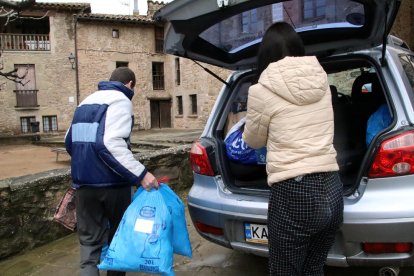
290, 112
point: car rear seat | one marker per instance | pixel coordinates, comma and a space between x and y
350, 120
348, 157
364, 104
342, 111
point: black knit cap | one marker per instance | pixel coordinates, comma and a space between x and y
124, 75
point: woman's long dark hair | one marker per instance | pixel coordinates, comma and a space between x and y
280, 40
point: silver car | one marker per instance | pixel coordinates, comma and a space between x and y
367, 69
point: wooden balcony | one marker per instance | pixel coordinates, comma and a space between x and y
26, 98
24, 42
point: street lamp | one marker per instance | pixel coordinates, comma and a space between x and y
71, 58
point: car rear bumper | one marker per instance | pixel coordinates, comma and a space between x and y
233, 226
347, 250
210, 204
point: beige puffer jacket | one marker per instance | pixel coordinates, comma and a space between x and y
290, 112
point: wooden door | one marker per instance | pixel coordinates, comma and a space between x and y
165, 114
155, 114
160, 113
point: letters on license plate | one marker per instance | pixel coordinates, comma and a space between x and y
256, 233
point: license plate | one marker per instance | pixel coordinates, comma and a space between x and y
255, 233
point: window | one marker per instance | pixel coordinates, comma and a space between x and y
26, 92
179, 105
29, 80
193, 99
115, 33
159, 39
177, 72
313, 9
121, 64
25, 123
277, 12
50, 123
158, 75
249, 21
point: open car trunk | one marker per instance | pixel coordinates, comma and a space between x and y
357, 92
228, 34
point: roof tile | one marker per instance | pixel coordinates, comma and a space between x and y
142, 19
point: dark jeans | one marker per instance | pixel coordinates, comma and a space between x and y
303, 217
99, 212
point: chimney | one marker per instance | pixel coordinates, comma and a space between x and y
153, 6
136, 10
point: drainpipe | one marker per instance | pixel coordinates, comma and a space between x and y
76, 58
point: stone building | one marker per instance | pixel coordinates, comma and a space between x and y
170, 91
38, 44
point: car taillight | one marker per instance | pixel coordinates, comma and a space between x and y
205, 228
199, 160
378, 248
395, 157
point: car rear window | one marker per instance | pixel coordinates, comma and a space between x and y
238, 31
407, 62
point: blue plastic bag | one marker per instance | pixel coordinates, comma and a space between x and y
379, 120
237, 150
180, 238
142, 242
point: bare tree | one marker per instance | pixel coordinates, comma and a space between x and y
12, 74
10, 11
17, 5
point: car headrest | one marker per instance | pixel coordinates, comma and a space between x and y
372, 92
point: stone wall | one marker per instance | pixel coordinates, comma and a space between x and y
27, 204
154, 6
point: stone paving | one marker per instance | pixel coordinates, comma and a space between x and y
61, 258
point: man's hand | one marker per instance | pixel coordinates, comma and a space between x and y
149, 181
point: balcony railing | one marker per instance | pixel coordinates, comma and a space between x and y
24, 42
26, 98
